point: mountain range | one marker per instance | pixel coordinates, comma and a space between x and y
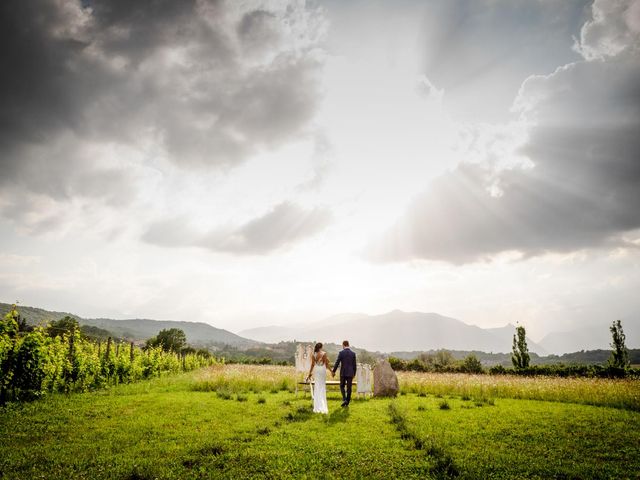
139, 329
397, 331
416, 331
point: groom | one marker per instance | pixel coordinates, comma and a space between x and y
347, 361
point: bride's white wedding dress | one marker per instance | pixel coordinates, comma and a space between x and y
320, 389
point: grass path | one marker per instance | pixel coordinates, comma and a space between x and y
358, 442
163, 428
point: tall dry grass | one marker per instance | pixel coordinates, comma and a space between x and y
246, 378
618, 393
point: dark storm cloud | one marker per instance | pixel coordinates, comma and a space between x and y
582, 191
285, 224
212, 82
137, 29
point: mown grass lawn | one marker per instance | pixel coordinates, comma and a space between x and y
172, 427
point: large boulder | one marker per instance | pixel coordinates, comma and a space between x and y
385, 381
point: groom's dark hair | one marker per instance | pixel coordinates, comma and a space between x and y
345, 343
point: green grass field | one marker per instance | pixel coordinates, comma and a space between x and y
245, 422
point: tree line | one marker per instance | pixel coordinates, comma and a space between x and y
618, 364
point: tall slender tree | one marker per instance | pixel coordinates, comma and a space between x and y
619, 355
520, 356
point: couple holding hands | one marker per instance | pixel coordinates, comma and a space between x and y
319, 366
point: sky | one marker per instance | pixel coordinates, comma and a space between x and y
247, 163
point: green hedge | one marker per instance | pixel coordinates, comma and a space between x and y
561, 370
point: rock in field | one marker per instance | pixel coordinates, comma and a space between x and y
385, 381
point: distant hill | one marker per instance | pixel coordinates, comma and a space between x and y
398, 331
35, 315
196, 332
273, 334
138, 329
278, 333
589, 338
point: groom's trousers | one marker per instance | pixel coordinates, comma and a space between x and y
345, 388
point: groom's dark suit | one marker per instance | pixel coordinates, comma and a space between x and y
347, 361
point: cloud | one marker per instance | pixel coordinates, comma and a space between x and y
285, 224
54, 183
478, 51
579, 189
615, 27
60, 170
208, 83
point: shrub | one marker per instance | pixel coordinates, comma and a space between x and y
416, 365
471, 364
30, 364
397, 364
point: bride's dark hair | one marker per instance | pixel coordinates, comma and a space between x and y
317, 347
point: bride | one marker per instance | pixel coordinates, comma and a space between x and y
319, 367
